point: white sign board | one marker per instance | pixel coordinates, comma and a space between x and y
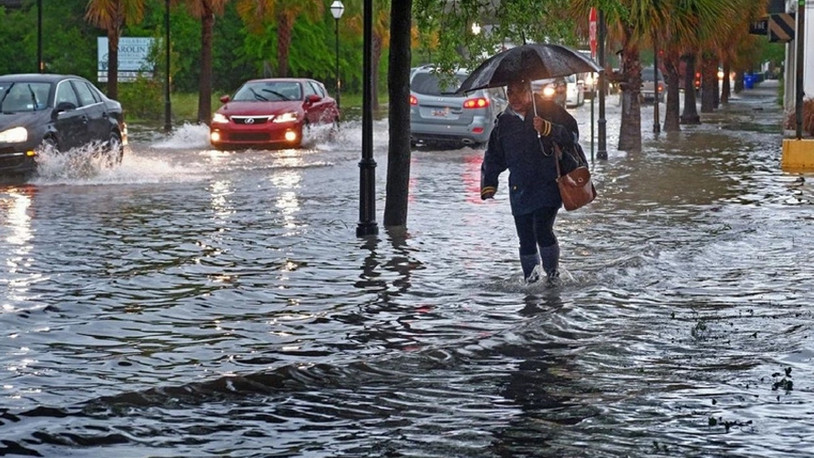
133, 58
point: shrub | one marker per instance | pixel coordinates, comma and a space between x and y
142, 99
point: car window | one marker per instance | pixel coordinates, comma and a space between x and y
318, 89
65, 93
268, 91
309, 89
83, 91
24, 96
431, 84
647, 74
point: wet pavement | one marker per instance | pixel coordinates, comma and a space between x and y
201, 303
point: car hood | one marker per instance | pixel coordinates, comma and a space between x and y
259, 108
23, 118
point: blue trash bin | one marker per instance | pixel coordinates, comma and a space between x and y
749, 81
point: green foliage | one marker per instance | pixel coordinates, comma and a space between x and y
143, 98
512, 22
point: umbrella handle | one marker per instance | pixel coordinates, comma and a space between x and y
534, 104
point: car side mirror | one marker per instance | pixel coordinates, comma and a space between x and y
65, 106
313, 98
62, 107
225, 99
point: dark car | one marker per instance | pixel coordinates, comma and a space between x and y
271, 112
56, 111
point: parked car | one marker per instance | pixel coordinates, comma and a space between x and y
574, 91
440, 116
56, 111
650, 86
551, 89
271, 112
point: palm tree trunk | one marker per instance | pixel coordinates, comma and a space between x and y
630, 133
725, 87
690, 114
709, 73
398, 79
113, 63
672, 78
285, 24
205, 81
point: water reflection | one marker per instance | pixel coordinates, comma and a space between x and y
16, 206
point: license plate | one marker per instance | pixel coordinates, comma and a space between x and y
441, 113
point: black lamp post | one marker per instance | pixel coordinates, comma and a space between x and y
40, 66
337, 8
367, 166
167, 102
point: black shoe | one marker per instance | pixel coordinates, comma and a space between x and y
553, 278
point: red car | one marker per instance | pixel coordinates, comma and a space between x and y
271, 112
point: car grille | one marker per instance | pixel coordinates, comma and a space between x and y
251, 119
9, 161
249, 136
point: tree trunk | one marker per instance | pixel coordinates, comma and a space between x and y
630, 132
726, 90
205, 81
671, 78
738, 81
375, 58
398, 79
113, 63
709, 73
690, 114
285, 25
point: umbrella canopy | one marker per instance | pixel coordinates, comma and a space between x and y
528, 62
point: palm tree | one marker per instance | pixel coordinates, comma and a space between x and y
205, 10
632, 23
689, 23
258, 13
112, 15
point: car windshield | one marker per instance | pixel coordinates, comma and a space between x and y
647, 74
433, 84
23, 96
269, 91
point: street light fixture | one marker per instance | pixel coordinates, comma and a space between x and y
337, 8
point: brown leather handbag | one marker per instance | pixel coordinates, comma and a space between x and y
576, 188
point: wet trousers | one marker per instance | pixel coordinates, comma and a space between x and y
535, 229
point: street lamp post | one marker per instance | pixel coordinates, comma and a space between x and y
337, 8
167, 102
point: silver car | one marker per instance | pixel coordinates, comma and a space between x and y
650, 88
439, 116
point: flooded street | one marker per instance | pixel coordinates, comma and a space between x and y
192, 302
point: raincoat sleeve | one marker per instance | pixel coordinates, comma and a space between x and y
494, 163
562, 127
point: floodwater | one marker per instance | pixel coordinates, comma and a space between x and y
200, 303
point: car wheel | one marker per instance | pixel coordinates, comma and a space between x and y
49, 144
113, 151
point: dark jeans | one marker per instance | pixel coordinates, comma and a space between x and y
535, 229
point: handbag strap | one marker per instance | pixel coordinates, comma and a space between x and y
557, 156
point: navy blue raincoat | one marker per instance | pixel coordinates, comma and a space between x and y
514, 145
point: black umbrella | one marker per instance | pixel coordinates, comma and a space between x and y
528, 62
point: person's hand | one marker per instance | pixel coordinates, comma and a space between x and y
542, 126
487, 193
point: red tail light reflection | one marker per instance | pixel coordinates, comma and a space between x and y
413, 100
